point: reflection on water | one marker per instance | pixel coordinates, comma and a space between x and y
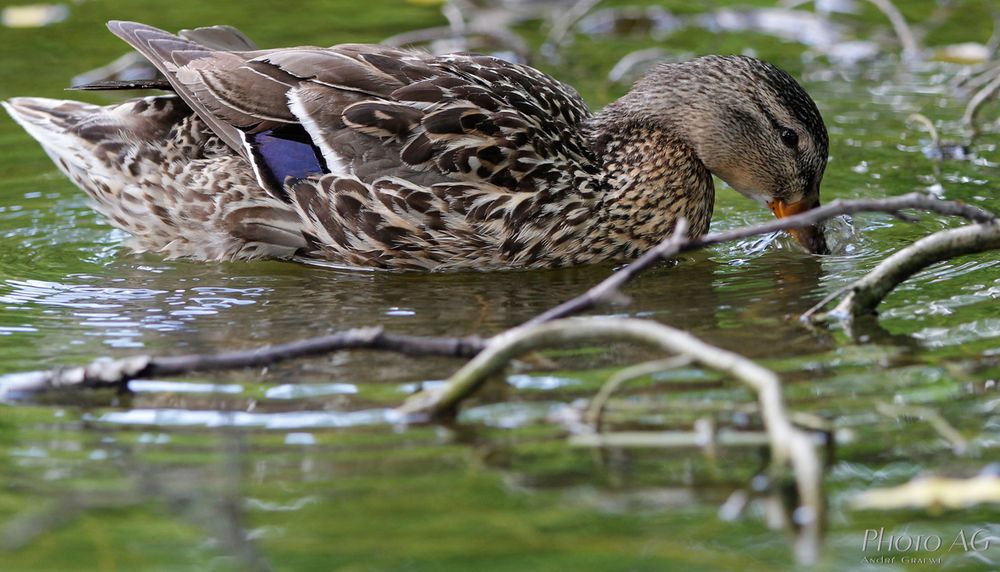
210, 419
151, 386
119, 315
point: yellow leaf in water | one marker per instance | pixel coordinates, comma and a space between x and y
965, 53
33, 15
932, 493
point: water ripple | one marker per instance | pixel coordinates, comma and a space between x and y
119, 315
938, 337
215, 419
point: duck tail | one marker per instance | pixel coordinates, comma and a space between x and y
93, 144
142, 163
99, 148
52, 123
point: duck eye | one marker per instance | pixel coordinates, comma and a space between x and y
790, 138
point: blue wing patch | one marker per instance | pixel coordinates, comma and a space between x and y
286, 152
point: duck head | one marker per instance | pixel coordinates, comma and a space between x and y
750, 123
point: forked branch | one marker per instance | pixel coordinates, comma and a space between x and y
790, 446
678, 241
115, 373
863, 296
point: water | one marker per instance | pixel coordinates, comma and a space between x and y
304, 466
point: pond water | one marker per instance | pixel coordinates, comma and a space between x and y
297, 467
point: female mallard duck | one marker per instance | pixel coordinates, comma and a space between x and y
373, 156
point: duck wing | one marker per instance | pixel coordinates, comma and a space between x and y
159, 47
220, 37
371, 112
475, 119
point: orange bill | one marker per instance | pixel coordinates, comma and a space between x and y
811, 237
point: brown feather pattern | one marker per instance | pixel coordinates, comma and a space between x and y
436, 163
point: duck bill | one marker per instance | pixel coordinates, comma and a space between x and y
811, 237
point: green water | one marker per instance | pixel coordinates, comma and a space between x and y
296, 468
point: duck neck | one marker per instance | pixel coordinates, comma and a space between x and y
650, 178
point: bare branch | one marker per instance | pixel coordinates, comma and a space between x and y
562, 25
677, 243
937, 421
928, 125
789, 445
115, 373
610, 286
595, 413
911, 48
892, 205
977, 102
868, 292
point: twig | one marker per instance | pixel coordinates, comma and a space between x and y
419, 36
452, 12
114, 69
562, 26
114, 373
677, 243
866, 294
911, 48
595, 413
788, 444
928, 124
977, 101
808, 314
977, 76
993, 44
611, 285
630, 61
669, 439
946, 430
501, 37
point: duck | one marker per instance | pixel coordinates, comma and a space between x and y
370, 156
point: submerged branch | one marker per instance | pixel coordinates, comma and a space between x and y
595, 413
977, 102
789, 445
670, 439
107, 373
947, 431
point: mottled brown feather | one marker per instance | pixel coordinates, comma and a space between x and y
435, 163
